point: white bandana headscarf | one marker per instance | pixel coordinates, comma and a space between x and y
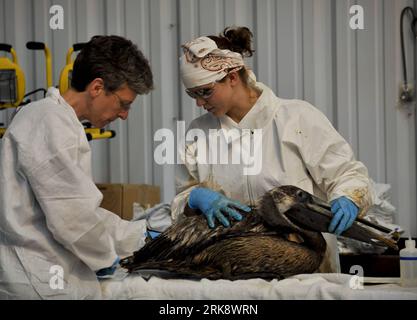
203, 62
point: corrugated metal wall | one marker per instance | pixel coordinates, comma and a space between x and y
304, 49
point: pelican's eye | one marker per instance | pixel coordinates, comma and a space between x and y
301, 195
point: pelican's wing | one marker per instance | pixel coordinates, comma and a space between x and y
189, 236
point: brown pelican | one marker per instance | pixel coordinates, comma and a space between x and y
279, 238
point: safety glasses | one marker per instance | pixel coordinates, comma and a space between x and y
123, 104
203, 93
207, 92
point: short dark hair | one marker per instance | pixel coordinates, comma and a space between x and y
114, 59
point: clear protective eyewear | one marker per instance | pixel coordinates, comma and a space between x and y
203, 93
125, 105
207, 92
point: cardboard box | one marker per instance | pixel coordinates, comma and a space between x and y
119, 198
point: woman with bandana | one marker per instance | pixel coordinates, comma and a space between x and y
297, 146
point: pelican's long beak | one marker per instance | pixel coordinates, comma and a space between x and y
316, 215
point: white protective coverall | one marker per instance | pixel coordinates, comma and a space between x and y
49, 209
300, 147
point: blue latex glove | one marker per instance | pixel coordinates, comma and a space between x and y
110, 270
214, 205
153, 234
344, 213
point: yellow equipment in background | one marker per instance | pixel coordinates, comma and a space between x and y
12, 83
32, 45
97, 133
66, 73
12, 79
65, 83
